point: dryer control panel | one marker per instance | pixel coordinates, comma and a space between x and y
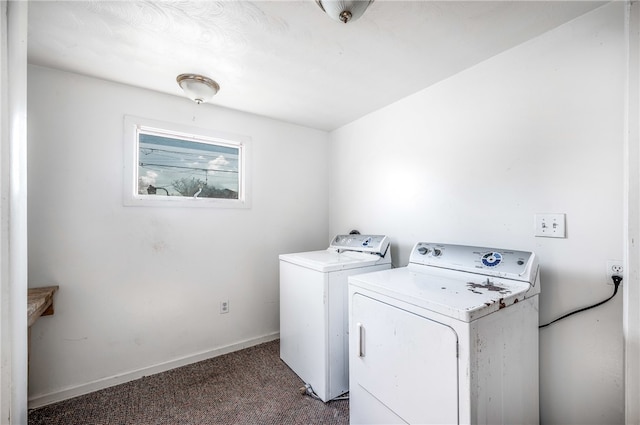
506, 263
374, 244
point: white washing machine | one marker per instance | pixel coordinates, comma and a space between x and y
450, 339
314, 317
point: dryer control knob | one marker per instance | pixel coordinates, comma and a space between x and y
437, 252
423, 250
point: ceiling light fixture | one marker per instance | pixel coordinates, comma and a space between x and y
344, 10
198, 88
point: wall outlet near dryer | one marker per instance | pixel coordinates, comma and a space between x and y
614, 268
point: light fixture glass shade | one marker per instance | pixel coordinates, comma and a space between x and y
198, 88
344, 10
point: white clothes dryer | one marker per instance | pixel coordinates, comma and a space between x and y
450, 339
314, 312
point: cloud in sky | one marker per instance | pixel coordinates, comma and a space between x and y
150, 177
219, 163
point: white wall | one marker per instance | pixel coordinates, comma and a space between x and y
631, 306
470, 160
140, 287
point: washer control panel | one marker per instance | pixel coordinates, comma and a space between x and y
374, 244
511, 264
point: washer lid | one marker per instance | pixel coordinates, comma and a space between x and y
329, 260
461, 295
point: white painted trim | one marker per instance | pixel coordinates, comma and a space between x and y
631, 284
5, 336
78, 390
14, 217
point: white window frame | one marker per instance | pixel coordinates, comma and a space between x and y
132, 127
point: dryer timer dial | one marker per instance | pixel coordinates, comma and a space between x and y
435, 252
423, 250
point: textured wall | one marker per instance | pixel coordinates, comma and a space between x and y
539, 128
140, 287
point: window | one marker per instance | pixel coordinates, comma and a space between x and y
173, 165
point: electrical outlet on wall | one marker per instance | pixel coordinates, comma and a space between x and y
614, 268
224, 307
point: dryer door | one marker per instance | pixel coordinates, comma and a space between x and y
404, 367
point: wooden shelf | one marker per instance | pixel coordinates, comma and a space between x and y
39, 303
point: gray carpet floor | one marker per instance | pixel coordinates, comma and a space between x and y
250, 386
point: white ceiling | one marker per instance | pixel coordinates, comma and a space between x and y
285, 59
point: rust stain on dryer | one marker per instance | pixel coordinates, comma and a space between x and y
487, 285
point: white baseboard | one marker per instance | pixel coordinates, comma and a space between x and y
77, 390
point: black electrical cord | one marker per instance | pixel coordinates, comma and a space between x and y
309, 391
617, 280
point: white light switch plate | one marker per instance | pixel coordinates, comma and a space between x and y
550, 225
